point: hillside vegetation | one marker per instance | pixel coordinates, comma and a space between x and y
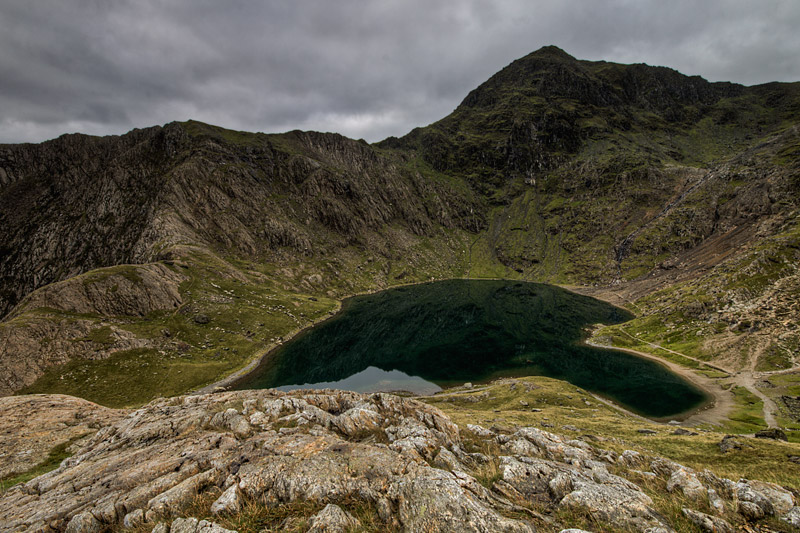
159, 261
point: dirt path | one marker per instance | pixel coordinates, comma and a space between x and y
715, 412
723, 401
696, 360
743, 378
747, 380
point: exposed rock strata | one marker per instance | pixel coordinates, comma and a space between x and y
30, 426
276, 448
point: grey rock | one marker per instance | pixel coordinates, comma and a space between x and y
228, 502
665, 468
688, 484
632, 459
751, 510
447, 507
162, 527
447, 460
232, 420
332, 519
724, 487
358, 420
780, 500
134, 518
181, 494
792, 517
709, 523
593, 491
772, 433
715, 502
84, 522
614, 504
480, 431
193, 525
729, 443
184, 525
534, 442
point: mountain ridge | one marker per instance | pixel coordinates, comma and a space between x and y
623, 181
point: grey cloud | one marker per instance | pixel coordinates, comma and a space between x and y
364, 69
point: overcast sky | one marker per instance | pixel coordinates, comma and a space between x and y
366, 69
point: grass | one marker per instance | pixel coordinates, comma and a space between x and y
747, 415
102, 335
54, 458
267, 517
251, 306
563, 404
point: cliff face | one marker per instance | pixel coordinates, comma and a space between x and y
586, 173
79, 203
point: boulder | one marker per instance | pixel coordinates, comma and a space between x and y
228, 502
709, 523
688, 484
715, 502
133, 519
332, 519
359, 420
433, 500
480, 431
84, 522
750, 510
193, 525
729, 443
780, 499
771, 433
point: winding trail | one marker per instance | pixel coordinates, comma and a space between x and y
747, 380
715, 412
743, 378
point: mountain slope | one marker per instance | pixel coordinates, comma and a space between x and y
192, 195
675, 196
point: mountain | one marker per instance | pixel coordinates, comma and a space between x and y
183, 252
137, 268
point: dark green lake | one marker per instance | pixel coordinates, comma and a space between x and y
423, 337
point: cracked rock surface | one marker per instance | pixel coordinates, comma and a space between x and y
405, 459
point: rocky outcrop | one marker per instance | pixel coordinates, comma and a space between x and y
79, 203
332, 519
31, 345
129, 290
405, 461
33, 339
276, 448
32, 426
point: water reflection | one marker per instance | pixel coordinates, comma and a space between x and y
449, 332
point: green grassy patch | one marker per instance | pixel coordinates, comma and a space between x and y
560, 404
747, 416
54, 458
102, 335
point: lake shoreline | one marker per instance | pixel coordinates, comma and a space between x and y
714, 411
